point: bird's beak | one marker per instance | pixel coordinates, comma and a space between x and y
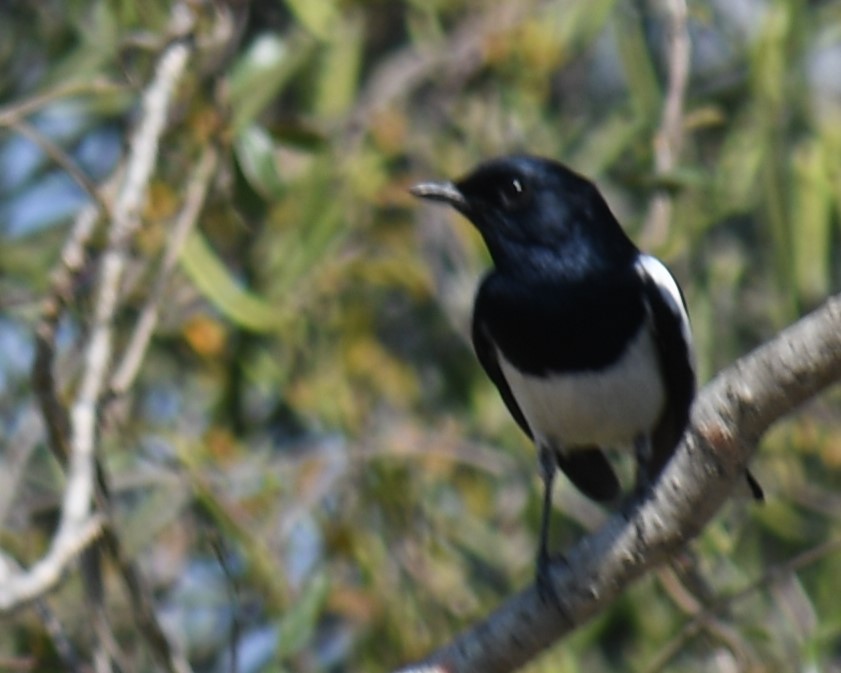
446, 192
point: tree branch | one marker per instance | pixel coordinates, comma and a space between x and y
61, 159
79, 525
730, 415
195, 193
405, 70
704, 614
669, 138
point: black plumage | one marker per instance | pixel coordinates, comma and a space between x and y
586, 338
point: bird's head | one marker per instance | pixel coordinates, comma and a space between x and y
537, 210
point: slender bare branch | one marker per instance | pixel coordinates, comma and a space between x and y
15, 453
126, 219
58, 635
43, 379
408, 68
15, 112
78, 526
669, 138
62, 159
772, 574
196, 193
730, 415
17, 587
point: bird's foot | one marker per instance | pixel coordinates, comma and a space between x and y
633, 502
546, 589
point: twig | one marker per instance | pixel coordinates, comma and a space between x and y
173, 660
142, 156
730, 415
11, 114
771, 575
689, 590
19, 587
194, 199
14, 456
408, 68
62, 644
52, 626
717, 629
77, 526
669, 138
123, 378
43, 379
125, 221
104, 642
62, 159
217, 543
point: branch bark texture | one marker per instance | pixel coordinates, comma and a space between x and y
78, 525
730, 415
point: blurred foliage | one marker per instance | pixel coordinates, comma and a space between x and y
311, 465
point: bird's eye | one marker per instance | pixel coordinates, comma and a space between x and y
514, 194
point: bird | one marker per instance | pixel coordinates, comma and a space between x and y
586, 338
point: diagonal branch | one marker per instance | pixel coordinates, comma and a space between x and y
730, 415
62, 160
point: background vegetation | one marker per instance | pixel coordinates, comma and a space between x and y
309, 470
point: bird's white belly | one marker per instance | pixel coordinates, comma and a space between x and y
608, 407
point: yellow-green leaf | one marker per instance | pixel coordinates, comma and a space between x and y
261, 73
317, 16
215, 282
258, 159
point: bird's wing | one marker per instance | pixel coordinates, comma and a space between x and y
670, 321
586, 467
670, 326
667, 310
487, 354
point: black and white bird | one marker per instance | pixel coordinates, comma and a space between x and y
586, 338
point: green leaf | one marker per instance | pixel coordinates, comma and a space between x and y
639, 69
299, 251
339, 69
298, 624
215, 282
606, 142
811, 213
97, 32
317, 16
262, 72
258, 160
736, 175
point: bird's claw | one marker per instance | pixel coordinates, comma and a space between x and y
547, 591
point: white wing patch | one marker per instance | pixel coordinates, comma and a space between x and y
662, 277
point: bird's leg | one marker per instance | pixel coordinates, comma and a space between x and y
548, 468
755, 487
642, 451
